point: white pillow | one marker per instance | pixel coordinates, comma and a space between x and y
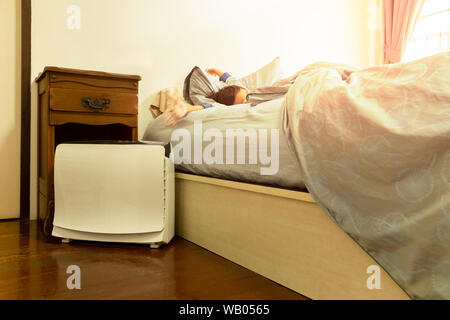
264, 77
160, 101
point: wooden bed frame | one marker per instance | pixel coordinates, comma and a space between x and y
280, 234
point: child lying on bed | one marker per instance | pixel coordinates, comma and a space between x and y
236, 93
233, 94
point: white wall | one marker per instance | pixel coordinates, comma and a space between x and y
161, 40
10, 109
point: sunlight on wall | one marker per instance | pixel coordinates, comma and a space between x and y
10, 109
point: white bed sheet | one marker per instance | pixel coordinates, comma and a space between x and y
266, 116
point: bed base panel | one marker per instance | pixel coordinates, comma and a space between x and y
280, 234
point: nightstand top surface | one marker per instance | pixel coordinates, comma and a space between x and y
88, 73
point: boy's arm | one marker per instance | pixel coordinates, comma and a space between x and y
225, 77
178, 111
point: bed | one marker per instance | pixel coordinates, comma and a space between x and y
269, 224
281, 234
249, 125
372, 149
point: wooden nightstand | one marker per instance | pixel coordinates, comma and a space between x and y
79, 105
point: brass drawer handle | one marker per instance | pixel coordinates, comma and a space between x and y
96, 104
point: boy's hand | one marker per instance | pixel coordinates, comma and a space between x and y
176, 112
214, 72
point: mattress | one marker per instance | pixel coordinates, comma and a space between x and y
239, 143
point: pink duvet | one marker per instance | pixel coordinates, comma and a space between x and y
374, 147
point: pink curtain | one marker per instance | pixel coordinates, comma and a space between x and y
400, 17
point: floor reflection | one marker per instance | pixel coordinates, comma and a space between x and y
33, 266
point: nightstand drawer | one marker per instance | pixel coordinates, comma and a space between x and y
93, 80
93, 101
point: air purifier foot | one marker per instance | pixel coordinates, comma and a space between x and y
155, 245
66, 241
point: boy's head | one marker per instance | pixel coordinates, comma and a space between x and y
230, 95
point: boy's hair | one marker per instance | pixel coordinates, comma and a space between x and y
226, 95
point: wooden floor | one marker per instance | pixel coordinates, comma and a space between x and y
33, 266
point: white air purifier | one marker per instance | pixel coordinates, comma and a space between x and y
114, 192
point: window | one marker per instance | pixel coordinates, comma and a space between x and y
431, 35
